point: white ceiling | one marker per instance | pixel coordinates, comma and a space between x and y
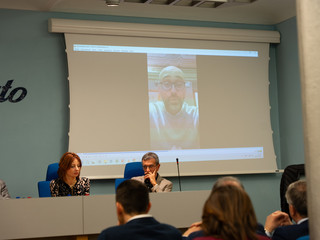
259, 12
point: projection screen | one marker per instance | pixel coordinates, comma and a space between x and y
204, 102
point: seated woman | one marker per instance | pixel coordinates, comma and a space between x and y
69, 182
4, 193
228, 214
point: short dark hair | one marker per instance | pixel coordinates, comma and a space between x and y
150, 155
133, 196
296, 196
65, 163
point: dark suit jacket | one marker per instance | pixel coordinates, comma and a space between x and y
146, 228
291, 232
195, 234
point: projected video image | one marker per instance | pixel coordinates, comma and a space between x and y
173, 102
149, 96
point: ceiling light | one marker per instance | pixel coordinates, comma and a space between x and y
112, 3
228, 3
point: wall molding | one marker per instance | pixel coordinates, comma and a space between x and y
161, 31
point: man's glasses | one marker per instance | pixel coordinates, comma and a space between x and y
178, 85
151, 167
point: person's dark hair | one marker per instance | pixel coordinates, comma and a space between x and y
150, 155
133, 196
228, 214
296, 196
228, 180
65, 163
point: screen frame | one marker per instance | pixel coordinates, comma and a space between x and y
163, 31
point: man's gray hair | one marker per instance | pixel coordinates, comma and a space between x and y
228, 180
150, 155
296, 196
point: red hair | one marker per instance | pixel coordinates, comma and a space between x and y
65, 163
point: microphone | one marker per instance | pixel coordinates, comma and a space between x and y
178, 173
148, 183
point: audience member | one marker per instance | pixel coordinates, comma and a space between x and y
228, 214
278, 224
228, 180
133, 205
152, 179
4, 190
69, 182
195, 230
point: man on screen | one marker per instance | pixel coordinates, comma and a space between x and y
151, 177
173, 122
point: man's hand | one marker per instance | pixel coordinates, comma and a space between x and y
276, 219
152, 176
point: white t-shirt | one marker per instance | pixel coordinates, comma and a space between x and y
169, 131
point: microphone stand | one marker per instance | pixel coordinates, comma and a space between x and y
178, 174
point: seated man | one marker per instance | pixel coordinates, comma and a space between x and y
4, 194
151, 177
133, 205
278, 224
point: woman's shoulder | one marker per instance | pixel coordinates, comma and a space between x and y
57, 180
84, 179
